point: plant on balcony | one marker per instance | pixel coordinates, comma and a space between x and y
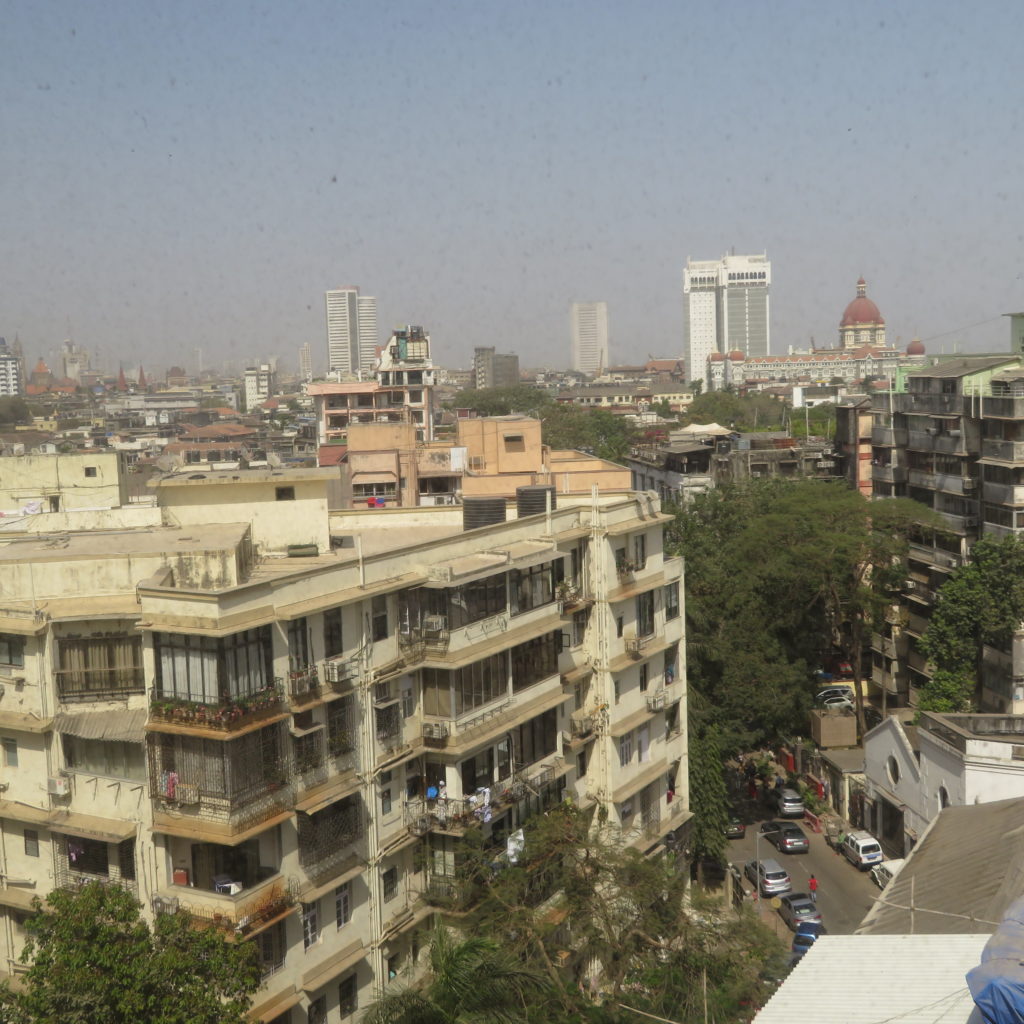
92, 958
625, 566
567, 592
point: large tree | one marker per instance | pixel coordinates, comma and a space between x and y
93, 960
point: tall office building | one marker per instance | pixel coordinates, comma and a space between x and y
351, 331
494, 369
589, 336
725, 309
306, 362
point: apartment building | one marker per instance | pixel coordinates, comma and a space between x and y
951, 436
283, 723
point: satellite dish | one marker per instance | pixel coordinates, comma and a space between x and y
273, 459
165, 463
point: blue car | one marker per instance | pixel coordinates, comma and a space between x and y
806, 933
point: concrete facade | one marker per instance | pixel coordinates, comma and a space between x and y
62, 482
290, 748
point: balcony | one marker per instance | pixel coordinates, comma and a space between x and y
448, 893
571, 599
304, 685
889, 437
1004, 451
81, 684
636, 645
327, 838
889, 474
1003, 494
435, 734
250, 911
656, 701
626, 569
231, 714
930, 403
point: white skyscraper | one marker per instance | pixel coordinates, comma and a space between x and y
725, 309
306, 362
351, 330
589, 336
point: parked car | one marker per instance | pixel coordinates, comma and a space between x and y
882, 874
769, 876
787, 802
837, 702
787, 837
735, 829
834, 691
861, 849
798, 908
806, 933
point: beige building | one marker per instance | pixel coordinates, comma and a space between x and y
288, 739
30, 484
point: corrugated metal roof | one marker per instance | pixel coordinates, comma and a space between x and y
122, 726
960, 878
868, 979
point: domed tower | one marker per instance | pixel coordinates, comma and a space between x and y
916, 348
862, 324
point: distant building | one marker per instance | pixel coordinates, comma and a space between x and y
306, 362
863, 324
589, 336
494, 369
351, 331
10, 371
726, 308
260, 384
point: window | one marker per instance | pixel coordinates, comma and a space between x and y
644, 675
537, 738
579, 627
625, 749
126, 860
112, 759
535, 660
284, 493
581, 764
943, 796
478, 771
389, 880
408, 698
31, 842
892, 769
617, 687
640, 550
385, 793
340, 738
317, 1012
92, 668
514, 443
204, 669
379, 615
90, 470
10, 753
332, 633
12, 650
672, 601
532, 588
643, 744
619, 622
88, 855
645, 614
348, 996
343, 904
473, 686
310, 925
309, 751
300, 656
394, 963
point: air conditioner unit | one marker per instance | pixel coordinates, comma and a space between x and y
435, 731
931, 430
909, 584
57, 785
435, 623
969, 484
970, 520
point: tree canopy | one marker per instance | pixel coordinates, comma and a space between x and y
981, 603
13, 410
779, 574
93, 960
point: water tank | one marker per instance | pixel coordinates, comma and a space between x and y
477, 512
532, 500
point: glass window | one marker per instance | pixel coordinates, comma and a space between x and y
536, 739
535, 660
672, 601
31, 842
625, 749
343, 904
340, 723
645, 614
644, 676
332, 633
389, 880
92, 668
87, 855
379, 616
317, 1012
113, 759
348, 996
10, 753
310, 925
12, 650
532, 588
204, 669
299, 653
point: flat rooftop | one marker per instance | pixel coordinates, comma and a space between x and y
242, 476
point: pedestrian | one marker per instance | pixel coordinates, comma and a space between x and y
812, 887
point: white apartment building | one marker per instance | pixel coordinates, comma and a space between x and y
283, 726
351, 331
260, 384
725, 309
10, 375
306, 362
589, 336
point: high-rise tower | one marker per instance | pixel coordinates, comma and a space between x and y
351, 331
589, 336
725, 309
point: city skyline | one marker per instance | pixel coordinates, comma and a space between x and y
176, 185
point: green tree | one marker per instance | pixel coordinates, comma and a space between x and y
468, 980
595, 431
981, 603
503, 401
709, 796
93, 960
13, 410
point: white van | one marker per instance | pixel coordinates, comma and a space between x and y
882, 874
861, 849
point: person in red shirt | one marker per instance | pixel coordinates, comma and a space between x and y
812, 886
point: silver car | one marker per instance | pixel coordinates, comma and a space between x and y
787, 803
798, 908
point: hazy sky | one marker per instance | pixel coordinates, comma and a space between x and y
197, 174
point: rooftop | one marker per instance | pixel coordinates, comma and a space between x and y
187, 478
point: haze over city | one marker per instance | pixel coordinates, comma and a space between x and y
189, 176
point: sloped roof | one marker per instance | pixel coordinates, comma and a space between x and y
961, 876
867, 979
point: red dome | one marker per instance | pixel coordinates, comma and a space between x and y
736, 356
862, 310
916, 348
717, 357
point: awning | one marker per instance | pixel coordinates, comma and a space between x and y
272, 1008
357, 868
328, 793
333, 966
23, 812
631, 722
110, 830
19, 899
375, 478
642, 781
20, 721
119, 726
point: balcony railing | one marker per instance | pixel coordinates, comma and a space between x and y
656, 701
304, 684
232, 712
99, 683
635, 645
239, 913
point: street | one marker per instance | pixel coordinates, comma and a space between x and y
844, 894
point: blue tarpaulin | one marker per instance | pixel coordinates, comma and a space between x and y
997, 983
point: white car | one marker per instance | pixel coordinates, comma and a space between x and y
837, 702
